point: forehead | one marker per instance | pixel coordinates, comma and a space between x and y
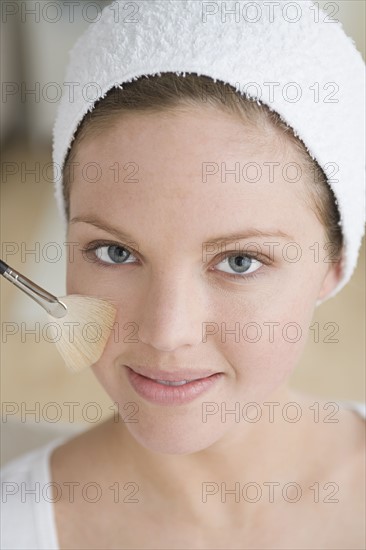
186, 166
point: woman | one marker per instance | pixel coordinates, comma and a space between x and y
201, 229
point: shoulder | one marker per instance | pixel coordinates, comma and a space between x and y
25, 504
353, 419
339, 442
354, 446
334, 432
359, 407
334, 447
69, 457
21, 468
349, 474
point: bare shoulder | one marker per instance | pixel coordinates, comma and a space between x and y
338, 440
349, 475
351, 447
79, 453
333, 422
77, 468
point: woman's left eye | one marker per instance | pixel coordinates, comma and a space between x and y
112, 254
241, 264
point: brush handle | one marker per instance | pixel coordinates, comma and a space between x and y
50, 303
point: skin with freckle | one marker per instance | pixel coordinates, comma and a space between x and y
168, 290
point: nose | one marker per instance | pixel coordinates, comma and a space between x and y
171, 312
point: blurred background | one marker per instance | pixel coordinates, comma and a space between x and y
39, 397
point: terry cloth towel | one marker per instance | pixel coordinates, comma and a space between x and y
291, 56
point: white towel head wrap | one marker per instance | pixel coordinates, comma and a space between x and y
289, 55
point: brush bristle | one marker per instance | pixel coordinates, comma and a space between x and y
83, 333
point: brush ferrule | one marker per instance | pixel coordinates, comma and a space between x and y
50, 303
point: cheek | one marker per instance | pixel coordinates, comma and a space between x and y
262, 340
85, 277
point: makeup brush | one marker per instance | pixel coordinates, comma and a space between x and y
86, 323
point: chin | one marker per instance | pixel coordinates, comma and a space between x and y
175, 437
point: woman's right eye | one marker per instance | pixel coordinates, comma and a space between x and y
112, 254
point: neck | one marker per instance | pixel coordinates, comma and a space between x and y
198, 483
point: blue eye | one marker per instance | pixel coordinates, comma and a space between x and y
111, 253
241, 264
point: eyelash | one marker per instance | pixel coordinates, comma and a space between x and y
91, 247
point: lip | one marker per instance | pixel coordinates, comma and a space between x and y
161, 394
175, 376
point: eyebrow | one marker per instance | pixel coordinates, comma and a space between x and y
232, 237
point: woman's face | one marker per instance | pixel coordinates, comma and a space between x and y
165, 188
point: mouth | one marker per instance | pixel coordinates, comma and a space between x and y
171, 388
172, 378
